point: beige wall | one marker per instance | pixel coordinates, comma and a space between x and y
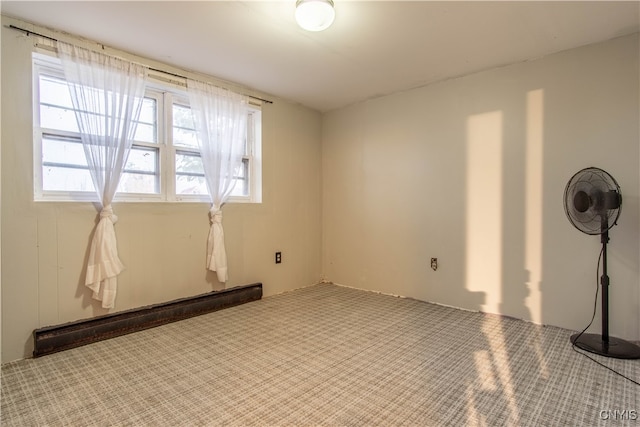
163, 245
472, 171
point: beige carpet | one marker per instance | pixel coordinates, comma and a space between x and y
320, 356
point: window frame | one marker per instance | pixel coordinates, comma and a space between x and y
166, 93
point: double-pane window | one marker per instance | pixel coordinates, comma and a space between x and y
164, 163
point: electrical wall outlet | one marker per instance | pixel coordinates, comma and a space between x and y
278, 257
434, 264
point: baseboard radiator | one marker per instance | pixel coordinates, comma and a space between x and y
53, 339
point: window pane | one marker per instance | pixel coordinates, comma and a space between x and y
241, 188
190, 174
56, 178
67, 151
242, 185
189, 163
147, 125
185, 137
148, 112
65, 168
182, 116
138, 183
142, 160
241, 171
57, 112
191, 185
145, 133
184, 132
134, 179
58, 118
54, 91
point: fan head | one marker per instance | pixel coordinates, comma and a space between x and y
592, 200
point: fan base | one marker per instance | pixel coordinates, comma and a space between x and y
616, 347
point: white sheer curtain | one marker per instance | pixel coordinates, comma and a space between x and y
220, 117
107, 95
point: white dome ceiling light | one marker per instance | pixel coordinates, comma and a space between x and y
315, 15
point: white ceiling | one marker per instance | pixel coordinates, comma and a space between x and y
373, 48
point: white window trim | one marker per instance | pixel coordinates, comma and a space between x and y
165, 92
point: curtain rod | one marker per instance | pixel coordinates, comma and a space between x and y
29, 32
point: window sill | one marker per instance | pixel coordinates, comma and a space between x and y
133, 198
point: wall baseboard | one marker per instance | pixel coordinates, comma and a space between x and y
53, 339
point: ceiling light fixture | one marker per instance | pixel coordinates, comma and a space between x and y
315, 15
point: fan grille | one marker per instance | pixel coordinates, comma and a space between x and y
592, 200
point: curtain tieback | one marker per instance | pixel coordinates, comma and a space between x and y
107, 212
215, 215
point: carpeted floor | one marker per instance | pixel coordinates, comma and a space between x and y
321, 356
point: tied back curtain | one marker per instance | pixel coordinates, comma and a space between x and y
220, 118
107, 95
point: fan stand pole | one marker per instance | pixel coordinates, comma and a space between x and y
604, 345
604, 282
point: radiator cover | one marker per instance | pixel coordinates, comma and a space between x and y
52, 339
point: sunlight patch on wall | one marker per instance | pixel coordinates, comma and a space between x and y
484, 207
533, 202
